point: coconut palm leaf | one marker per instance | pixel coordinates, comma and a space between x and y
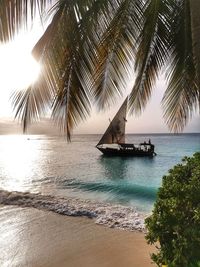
66, 72
182, 96
30, 104
17, 14
152, 52
115, 52
69, 63
71, 104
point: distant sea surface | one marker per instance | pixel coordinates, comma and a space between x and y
51, 166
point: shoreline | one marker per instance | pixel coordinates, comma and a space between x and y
37, 238
112, 216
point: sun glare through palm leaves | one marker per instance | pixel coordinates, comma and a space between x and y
17, 66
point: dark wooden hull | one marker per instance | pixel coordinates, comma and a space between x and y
107, 151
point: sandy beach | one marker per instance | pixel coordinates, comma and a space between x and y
30, 237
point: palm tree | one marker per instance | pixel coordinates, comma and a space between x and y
91, 47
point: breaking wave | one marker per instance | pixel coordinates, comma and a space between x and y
114, 216
126, 189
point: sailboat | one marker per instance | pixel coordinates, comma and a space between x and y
113, 142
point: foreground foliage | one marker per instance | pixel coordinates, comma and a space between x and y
175, 222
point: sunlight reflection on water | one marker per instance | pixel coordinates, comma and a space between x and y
18, 159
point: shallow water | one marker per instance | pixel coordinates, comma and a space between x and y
51, 166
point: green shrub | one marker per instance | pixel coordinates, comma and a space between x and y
174, 225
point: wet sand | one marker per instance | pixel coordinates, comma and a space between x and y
34, 238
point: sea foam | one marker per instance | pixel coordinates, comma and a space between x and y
113, 216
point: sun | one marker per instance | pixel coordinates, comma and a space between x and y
18, 68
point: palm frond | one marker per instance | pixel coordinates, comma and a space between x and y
71, 104
66, 71
152, 52
17, 14
74, 24
115, 52
182, 96
31, 103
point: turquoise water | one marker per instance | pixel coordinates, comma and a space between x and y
48, 165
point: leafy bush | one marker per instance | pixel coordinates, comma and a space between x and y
174, 225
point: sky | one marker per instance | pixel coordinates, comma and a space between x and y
17, 67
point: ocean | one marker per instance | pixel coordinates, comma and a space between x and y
49, 166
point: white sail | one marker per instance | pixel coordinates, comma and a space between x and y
115, 132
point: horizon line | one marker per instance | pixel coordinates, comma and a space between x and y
140, 133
